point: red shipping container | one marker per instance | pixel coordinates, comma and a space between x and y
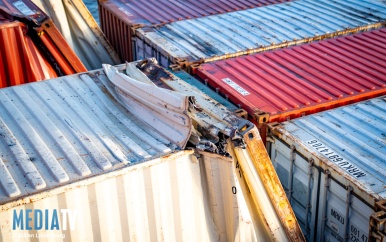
119, 18
289, 83
31, 47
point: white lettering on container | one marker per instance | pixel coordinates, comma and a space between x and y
235, 86
23, 8
337, 159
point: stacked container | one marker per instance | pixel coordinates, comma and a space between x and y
32, 48
332, 165
289, 83
120, 18
244, 32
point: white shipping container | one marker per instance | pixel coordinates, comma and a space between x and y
80, 161
333, 168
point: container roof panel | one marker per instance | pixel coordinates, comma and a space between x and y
62, 130
147, 13
351, 139
258, 29
291, 82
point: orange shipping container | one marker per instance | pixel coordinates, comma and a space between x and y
31, 47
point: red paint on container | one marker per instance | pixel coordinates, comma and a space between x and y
288, 83
120, 17
29, 52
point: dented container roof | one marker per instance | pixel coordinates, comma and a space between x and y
254, 30
349, 139
146, 13
291, 82
66, 129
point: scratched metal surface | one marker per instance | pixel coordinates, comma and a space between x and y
253, 30
356, 135
62, 130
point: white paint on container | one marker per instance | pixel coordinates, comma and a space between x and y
70, 143
332, 165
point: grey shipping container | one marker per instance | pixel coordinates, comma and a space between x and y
333, 168
244, 32
120, 18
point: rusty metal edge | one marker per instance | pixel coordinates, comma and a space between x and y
272, 185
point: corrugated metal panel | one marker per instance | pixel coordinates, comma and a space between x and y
179, 198
66, 129
71, 137
251, 160
119, 17
21, 61
347, 149
80, 30
254, 30
32, 48
289, 83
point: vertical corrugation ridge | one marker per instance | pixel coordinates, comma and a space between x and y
7, 183
32, 135
55, 136
32, 175
307, 77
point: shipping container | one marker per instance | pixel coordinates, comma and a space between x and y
289, 83
332, 165
119, 18
100, 156
254, 30
32, 48
81, 32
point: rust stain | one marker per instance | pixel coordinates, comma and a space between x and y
272, 185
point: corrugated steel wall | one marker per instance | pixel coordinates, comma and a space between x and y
66, 129
254, 30
288, 83
176, 198
20, 60
32, 48
333, 166
356, 133
80, 31
118, 17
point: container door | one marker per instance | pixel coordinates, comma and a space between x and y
299, 179
345, 216
139, 49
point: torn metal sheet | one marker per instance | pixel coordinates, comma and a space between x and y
81, 31
211, 119
216, 126
163, 109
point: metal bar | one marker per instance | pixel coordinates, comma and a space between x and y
324, 218
308, 203
348, 205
